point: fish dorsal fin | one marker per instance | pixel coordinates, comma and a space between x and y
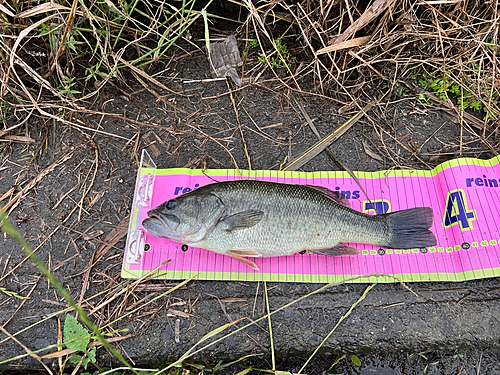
333, 195
242, 220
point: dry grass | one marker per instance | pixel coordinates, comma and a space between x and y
57, 59
394, 41
54, 54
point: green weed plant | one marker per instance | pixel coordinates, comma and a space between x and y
78, 338
446, 88
283, 61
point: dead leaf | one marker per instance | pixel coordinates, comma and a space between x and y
414, 146
369, 15
171, 312
17, 138
92, 235
344, 45
112, 238
42, 8
64, 352
372, 154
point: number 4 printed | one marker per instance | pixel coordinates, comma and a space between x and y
457, 211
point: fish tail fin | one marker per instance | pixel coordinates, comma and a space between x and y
409, 229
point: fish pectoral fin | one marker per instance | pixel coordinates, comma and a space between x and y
338, 250
235, 254
242, 220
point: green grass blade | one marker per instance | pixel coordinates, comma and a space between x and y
11, 231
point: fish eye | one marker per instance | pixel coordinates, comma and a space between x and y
172, 204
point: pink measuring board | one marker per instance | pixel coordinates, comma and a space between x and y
464, 193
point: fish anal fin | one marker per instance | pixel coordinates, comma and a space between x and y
235, 255
338, 250
333, 195
242, 220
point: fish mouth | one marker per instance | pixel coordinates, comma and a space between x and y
161, 225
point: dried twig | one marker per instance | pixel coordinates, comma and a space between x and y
319, 147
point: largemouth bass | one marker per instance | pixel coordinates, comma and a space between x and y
251, 218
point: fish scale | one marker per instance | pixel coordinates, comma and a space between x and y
296, 218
